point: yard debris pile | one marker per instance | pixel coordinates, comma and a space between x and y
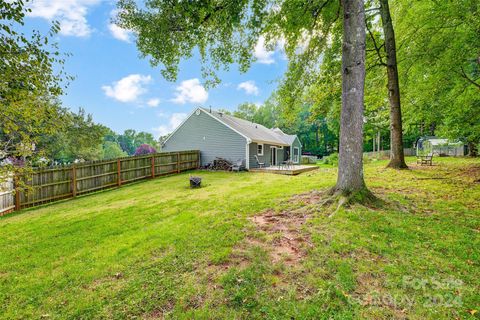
219, 164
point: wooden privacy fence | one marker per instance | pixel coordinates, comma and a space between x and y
385, 154
7, 200
52, 184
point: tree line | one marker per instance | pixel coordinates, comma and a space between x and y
81, 139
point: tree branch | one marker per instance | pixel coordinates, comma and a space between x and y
466, 77
372, 9
377, 48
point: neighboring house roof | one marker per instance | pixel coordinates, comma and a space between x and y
436, 142
253, 131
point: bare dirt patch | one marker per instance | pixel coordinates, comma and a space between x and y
286, 240
470, 173
416, 166
280, 234
285, 243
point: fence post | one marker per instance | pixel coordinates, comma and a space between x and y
198, 159
178, 162
74, 181
153, 166
119, 173
17, 192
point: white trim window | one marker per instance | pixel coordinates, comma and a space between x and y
296, 154
260, 149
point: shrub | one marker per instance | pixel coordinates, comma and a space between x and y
331, 159
145, 149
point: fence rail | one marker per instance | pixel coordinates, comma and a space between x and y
385, 154
53, 184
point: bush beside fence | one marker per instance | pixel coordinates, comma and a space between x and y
62, 182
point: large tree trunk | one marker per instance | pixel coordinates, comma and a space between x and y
472, 149
397, 158
350, 165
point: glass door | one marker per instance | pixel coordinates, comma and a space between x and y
273, 156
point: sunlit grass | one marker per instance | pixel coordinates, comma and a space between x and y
142, 250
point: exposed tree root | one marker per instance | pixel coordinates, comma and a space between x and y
340, 198
397, 165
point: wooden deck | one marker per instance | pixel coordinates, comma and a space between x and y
291, 171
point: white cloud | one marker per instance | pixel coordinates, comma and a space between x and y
154, 102
173, 122
249, 87
72, 14
190, 91
127, 89
119, 33
261, 53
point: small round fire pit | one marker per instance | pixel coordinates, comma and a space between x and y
195, 182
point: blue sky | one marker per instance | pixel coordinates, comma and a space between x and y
122, 90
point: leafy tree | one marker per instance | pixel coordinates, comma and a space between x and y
388, 59
130, 140
246, 111
144, 149
225, 32
439, 66
112, 150
127, 141
162, 140
145, 138
80, 139
31, 78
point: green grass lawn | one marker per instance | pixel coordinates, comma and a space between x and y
159, 249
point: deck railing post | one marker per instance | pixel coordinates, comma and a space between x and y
119, 173
74, 181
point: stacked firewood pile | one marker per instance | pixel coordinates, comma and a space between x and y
219, 164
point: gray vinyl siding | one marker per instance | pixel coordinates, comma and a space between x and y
281, 153
296, 144
211, 137
266, 155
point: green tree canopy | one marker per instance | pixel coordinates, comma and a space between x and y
31, 79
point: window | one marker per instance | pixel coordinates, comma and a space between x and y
260, 149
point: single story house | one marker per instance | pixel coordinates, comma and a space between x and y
221, 135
